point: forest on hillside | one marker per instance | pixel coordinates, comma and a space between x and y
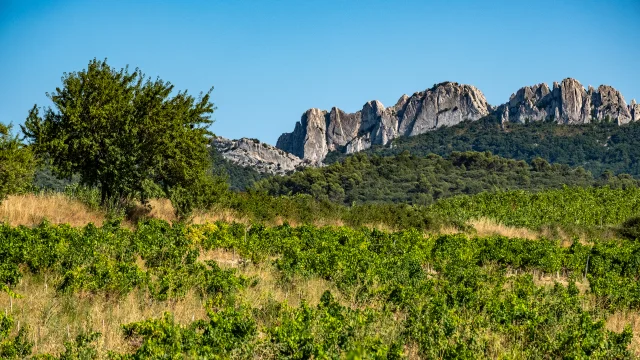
597, 147
421, 180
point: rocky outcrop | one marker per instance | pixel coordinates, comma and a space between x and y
634, 110
609, 103
567, 103
262, 157
308, 140
523, 104
445, 104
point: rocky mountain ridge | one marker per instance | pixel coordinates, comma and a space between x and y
446, 104
262, 157
319, 131
568, 103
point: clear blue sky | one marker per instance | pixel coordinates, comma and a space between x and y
269, 61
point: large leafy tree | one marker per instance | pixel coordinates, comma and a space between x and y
17, 164
123, 132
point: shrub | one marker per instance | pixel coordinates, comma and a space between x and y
17, 164
630, 229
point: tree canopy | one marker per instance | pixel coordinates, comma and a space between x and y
123, 132
17, 164
405, 178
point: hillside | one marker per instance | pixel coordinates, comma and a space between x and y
447, 104
417, 179
238, 176
596, 146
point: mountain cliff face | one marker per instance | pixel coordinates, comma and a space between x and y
447, 104
319, 132
567, 103
634, 109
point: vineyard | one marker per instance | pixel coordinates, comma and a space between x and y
381, 295
569, 206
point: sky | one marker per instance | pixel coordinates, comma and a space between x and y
270, 61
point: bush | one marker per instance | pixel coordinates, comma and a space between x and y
630, 229
17, 164
202, 195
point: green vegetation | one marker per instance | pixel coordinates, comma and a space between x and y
630, 229
395, 293
568, 207
405, 178
304, 209
597, 147
124, 134
17, 164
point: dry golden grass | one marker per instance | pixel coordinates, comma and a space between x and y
31, 209
162, 209
619, 320
269, 287
488, 227
281, 221
448, 230
549, 280
55, 318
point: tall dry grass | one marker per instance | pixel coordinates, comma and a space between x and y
31, 210
269, 287
54, 318
488, 227
619, 320
57, 208
162, 209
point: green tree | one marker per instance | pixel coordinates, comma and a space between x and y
17, 164
121, 131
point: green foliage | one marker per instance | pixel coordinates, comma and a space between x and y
596, 147
569, 206
84, 194
630, 229
17, 164
45, 179
81, 348
17, 346
118, 130
330, 331
202, 193
226, 332
446, 296
405, 178
302, 208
